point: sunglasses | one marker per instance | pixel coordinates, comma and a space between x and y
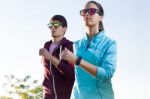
90, 11
54, 24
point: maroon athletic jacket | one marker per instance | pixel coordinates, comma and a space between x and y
58, 82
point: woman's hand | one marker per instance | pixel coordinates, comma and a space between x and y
68, 56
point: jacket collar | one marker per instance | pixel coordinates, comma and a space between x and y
98, 35
62, 41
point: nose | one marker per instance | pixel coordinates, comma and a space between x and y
86, 14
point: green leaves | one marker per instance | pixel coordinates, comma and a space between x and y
25, 88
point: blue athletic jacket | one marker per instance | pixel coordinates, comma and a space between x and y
101, 52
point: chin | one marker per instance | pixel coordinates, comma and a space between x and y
87, 24
54, 36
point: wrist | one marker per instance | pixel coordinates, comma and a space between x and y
50, 56
78, 60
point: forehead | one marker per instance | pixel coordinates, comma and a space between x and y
90, 5
54, 21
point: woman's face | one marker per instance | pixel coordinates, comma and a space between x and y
91, 19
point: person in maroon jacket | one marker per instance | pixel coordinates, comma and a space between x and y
58, 73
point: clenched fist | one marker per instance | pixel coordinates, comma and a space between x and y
68, 56
44, 52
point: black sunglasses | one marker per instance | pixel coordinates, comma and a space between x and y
90, 11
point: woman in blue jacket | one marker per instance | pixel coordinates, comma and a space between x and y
95, 57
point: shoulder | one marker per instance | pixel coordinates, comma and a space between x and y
110, 44
106, 39
67, 43
80, 42
77, 44
110, 40
47, 44
106, 42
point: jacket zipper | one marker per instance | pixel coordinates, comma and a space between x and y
53, 81
52, 71
53, 77
60, 52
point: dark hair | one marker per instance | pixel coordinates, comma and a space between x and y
101, 13
61, 19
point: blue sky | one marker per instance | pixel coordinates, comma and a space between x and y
23, 30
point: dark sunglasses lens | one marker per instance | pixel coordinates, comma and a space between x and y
82, 12
91, 11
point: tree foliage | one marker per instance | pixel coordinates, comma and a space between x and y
25, 88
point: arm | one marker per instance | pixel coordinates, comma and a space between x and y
105, 71
67, 67
45, 54
108, 65
63, 66
69, 56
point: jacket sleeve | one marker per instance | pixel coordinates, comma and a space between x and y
108, 65
66, 67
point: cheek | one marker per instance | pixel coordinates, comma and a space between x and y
61, 31
83, 18
96, 19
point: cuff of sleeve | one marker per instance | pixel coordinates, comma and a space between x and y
59, 66
101, 73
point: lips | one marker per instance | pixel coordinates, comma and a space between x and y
53, 31
87, 19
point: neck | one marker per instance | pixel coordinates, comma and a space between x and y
91, 31
57, 39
